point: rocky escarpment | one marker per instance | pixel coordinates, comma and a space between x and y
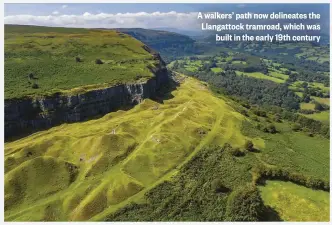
36, 113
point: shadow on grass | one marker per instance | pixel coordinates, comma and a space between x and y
255, 150
270, 215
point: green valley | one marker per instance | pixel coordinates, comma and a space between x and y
98, 127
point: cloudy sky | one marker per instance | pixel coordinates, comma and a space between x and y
103, 15
180, 16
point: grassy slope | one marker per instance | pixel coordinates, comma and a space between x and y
108, 152
49, 53
296, 203
189, 197
108, 176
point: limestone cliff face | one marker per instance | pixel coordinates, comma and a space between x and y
32, 114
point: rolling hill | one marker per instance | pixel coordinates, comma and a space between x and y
169, 44
129, 140
110, 160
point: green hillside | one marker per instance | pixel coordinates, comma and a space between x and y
169, 44
45, 60
117, 156
240, 134
118, 163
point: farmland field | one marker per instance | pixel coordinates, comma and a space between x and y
296, 203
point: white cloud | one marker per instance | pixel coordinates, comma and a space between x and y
64, 6
86, 14
105, 20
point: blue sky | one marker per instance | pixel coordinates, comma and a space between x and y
46, 9
116, 15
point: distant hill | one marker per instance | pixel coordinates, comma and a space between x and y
190, 33
157, 38
169, 44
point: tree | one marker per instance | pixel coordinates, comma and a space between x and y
244, 204
248, 145
287, 72
318, 106
292, 77
35, 86
218, 187
277, 118
272, 129
236, 152
78, 59
98, 61
306, 98
304, 84
31, 76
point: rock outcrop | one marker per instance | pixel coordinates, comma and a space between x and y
37, 113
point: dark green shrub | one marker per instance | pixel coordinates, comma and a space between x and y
244, 112
318, 106
244, 204
98, 61
248, 145
265, 129
277, 118
78, 59
272, 129
35, 86
236, 152
218, 187
30, 76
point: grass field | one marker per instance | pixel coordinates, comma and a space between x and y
310, 106
319, 85
318, 54
238, 61
193, 65
50, 55
108, 152
296, 203
279, 75
216, 70
320, 116
300, 94
259, 75
325, 101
